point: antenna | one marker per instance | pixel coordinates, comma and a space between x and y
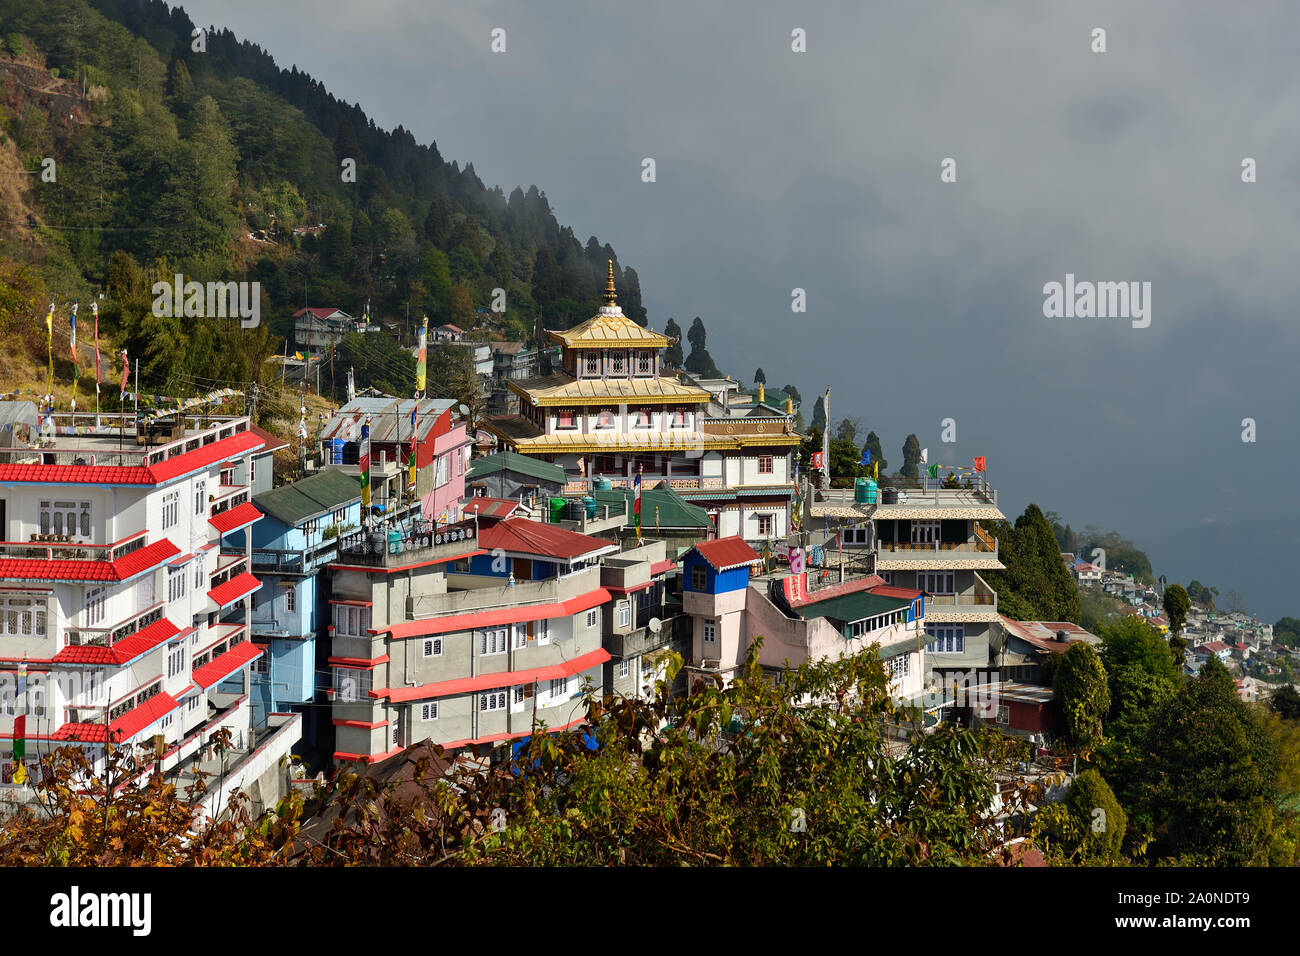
655, 625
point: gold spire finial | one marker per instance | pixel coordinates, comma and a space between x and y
611, 298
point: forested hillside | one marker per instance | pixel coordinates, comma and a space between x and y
174, 160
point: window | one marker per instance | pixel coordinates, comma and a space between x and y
351, 621
70, 518
262, 664
200, 496
192, 703
622, 667
341, 517
898, 667
606, 464
642, 418
176, 659
618, 363
564, 418
492, 700
593, 617
935, 582
460, 461
441, 467
521, 636
679, 419
521, 693
198, 574
698, 579
560, 687
605, 418
290, 601
95, 606
429, 711
1004, 714
171, 504
543, 632
228, 476
644, 362
432, 646
766, 525
624, 615
351, 684
946, 638
925, 532
592, 363
867, 625
710, 630
176, 578
252, 470
765, 465
493, 642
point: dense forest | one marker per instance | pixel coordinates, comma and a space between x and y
221, 165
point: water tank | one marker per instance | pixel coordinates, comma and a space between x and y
590, 504
602, 484
336, 451
557, 509
394, 542
576, 510
864, 491
889, 496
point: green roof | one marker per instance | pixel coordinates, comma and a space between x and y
519, 464
325, 491
674, 510
852, 607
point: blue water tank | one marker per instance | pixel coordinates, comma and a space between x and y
590, 503
336, 451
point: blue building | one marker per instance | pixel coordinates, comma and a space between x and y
292, 543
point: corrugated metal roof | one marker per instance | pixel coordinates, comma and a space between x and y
852, 607
674, 511
514, 462
326, 491
390, 418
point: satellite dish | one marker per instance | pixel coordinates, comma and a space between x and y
655, 625
463, 409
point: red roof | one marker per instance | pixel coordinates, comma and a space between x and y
133, 474
237, 587
1212, 647
523, 536
126, 726
218, 670
272, 443
886, 590
128, 566
491, 507
465, 685
233, 518
319, 313
129, 648
852, 586
496, 616
727, 553
659, 567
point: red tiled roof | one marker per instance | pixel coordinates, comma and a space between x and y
496, 616
238, 517
544, 540
465, 685
128, 566
659, 567
126, 726
129, 648
727, 553
237, 587
218, 670
1213, 647
839, 590
886, 590
491, 507
132, 474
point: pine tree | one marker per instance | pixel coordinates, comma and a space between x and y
673, 354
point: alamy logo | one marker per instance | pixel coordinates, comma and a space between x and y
77, 909
1100, 300
215, 300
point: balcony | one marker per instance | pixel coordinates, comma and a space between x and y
110, 441
584, 486
911, 494
643, 640
51, 547
402, 543
979, 595
475, 592
300, 562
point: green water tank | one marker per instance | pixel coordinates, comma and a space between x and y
557, 509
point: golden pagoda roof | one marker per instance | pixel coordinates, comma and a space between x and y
610, 328
563, 389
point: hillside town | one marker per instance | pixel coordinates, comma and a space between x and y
425, 579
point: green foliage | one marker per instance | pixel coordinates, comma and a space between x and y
911, 456
1287, 632
873, 444
1121, 554
1035, 584
759, 377
1202, 594
1086, 828
672, 355
1286, 702
1082, 693
14, 45
1177, 603
699, 361
378, 360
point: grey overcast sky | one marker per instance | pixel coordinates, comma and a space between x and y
821, 170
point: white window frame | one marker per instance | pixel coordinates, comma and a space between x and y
351, 621
96, 598
543, 632
951, 636
624, 614
559, 688
924, 580
766, 525
177, 579
431, 646
925, 532
351, 684
493, 641
519, 638
77, 511
491, 700
171, 509
200, 496
290, 601
709, 632
175, 659
428, 710
623, 668
593, 617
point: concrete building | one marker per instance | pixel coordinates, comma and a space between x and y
462, 636
609, 415
317, 330
442, 452
931, 541
292, 544
523, 478
130, 614
642, 619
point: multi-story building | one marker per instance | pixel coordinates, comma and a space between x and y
642, 618
131, 616
317, 330
442, 452
731, 608
296, 538
609, 415
463, 636
929, 539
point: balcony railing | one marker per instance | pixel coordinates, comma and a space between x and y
407, 541
981, 595
908, 549
58, 548
108, 636
917, 493
75, 432
284, 561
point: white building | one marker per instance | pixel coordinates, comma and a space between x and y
117, 593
